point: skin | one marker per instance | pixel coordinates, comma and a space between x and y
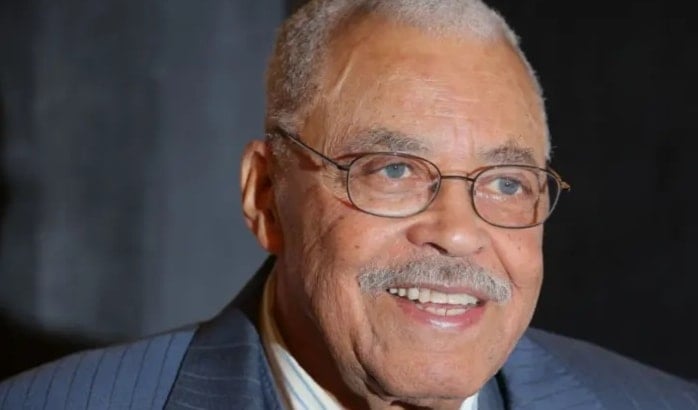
460, 97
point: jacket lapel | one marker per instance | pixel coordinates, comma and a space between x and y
225, 366
532, 378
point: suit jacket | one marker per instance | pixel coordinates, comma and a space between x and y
221, 364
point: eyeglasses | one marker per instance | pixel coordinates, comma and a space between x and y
398, 185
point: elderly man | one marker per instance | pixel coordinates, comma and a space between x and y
402, 188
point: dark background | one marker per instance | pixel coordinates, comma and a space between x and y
122, 124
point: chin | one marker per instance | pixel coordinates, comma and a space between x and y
425, 386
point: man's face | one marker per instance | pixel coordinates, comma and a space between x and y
462, 104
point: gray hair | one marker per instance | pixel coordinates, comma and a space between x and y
303, 41
436, 270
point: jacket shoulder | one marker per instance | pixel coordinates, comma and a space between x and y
617, 380
136, 375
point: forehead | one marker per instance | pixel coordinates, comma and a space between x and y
457, 94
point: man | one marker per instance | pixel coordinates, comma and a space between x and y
402, 188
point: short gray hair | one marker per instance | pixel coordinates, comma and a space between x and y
303, 42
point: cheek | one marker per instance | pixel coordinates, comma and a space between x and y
521, 255
333, 260
329, 233
327, 242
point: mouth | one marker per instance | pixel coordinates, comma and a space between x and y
444, 308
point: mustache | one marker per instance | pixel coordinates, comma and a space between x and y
436, 270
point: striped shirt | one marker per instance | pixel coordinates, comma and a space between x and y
298, 389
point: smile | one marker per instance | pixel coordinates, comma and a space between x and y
435, 302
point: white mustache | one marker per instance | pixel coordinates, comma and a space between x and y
436, 270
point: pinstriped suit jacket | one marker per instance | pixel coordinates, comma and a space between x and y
221, 365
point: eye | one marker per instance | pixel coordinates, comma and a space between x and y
506, 185
396, 170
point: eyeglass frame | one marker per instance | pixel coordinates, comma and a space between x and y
562, 185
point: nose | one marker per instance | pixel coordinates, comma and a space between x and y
450, 224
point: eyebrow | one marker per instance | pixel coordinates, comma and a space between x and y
382, 139
509, 153
386, 140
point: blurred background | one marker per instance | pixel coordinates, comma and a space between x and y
121, 129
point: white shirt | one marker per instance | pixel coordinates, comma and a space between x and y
298, 390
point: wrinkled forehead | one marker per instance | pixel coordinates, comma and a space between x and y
464, 95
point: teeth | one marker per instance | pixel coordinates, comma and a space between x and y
453, 312
436, 311
461, 299
424, 295
438, 297
442, 311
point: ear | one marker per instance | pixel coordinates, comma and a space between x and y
258, 203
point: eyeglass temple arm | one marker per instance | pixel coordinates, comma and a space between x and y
296, 140
564, 186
